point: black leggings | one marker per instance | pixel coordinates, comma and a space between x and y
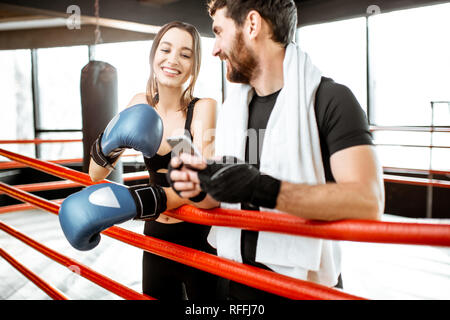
166, 279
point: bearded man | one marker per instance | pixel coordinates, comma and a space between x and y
287, 140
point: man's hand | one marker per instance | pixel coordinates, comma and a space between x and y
226, 179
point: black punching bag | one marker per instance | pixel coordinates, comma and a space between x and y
99, 105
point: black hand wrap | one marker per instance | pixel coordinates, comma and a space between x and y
198, 198
150, 200
105, 161
233, 181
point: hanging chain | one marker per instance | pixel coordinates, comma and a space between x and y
97, 32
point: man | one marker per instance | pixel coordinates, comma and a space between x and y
304, 139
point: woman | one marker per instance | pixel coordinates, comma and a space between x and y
174, 67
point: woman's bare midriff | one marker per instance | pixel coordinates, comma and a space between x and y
162, 217
166, 219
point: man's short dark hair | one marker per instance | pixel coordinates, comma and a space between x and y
280, 14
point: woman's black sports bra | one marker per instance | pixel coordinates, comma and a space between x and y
157, 162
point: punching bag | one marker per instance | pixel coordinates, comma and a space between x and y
99, 104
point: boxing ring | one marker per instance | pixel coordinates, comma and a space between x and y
383, 232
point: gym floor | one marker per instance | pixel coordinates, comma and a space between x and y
369, 270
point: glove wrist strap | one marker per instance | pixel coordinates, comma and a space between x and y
98, 156
266, 192
151, 201
198, 198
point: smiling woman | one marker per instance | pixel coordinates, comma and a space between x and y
174, 67
175, 56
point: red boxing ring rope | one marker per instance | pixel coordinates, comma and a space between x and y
86, 272
65, 184
52, 168
38, 141
261, 279
416, 181
14, 164
258, 278
351, 230
48, 289
21, 207
416, 171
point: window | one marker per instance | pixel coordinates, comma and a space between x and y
338, 49
63, 150
209, 82
59, 72
410, 65
16, 121
409, 68
131, 60
59, 105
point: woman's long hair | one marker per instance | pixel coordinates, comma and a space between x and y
152, 85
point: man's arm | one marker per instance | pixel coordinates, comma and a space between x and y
357, 194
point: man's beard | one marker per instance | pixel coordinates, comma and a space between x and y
243, 64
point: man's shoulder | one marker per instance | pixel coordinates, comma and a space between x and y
335, 103
332, 96
330, 90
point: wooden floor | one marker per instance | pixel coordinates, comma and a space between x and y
374, 271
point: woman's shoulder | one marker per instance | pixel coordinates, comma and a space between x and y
138, 98
205, 103
205, 110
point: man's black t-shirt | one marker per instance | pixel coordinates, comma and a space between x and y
341, 122
340, 119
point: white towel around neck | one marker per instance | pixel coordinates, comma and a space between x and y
290, 152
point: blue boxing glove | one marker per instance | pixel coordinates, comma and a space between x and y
138, 127
84, 214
